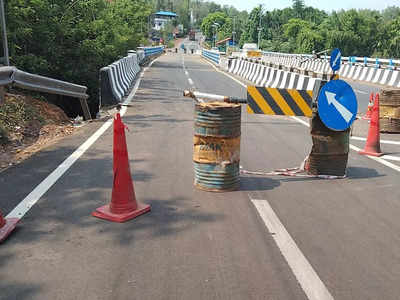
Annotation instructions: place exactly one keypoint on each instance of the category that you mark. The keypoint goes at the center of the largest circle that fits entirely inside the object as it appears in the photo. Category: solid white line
(309, 280)
(357, 138)
(378, 159)
(361, 92)
(390, 157)
(301, 121)
(190, 81)
(29, 201)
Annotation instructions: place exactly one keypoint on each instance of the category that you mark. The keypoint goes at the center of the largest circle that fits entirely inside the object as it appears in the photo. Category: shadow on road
(362, 173)
(14, 290)
(257, 183)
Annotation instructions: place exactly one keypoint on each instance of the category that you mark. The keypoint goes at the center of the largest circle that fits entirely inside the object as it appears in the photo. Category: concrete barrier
(117, 78)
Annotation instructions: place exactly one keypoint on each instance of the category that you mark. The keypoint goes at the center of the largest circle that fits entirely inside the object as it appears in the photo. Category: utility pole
(233, 32)
(259, 28)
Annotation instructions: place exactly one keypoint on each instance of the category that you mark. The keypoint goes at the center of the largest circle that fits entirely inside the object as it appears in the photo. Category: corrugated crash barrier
(216, 151)
(273, 101)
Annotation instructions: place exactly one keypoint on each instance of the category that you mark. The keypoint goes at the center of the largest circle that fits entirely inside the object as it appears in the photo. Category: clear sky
(327, 5)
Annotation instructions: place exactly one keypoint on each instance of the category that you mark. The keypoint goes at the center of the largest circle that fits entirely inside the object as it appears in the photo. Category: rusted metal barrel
(216, 151)
(330, 150)
(389, 110)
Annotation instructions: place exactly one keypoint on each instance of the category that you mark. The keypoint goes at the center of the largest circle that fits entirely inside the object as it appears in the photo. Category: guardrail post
(85, 109)
(391, 65)
(2, 95)
(377, 66)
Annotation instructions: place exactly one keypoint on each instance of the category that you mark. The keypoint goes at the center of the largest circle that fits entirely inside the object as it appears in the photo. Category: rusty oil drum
(216, 146)
(330, 149)
(389, 111)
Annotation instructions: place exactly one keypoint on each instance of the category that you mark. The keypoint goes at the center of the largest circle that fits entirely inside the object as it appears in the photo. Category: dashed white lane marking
(29, 201)
(377, 159)
(357, 138)
(186, 73)
(361, 92)
(311, 284)
(190, 81)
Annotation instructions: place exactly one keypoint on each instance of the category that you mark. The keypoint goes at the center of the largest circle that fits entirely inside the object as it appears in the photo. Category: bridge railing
(13, 76)
(212, 55)
(352, 60)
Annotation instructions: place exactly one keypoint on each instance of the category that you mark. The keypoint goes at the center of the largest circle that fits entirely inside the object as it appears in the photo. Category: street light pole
(233, 32)
(215, 26)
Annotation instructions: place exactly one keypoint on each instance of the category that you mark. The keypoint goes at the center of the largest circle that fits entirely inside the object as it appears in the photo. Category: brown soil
(28, 125)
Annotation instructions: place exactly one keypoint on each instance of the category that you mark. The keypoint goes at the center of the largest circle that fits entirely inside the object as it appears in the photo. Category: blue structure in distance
(336, 59)
(337, 105)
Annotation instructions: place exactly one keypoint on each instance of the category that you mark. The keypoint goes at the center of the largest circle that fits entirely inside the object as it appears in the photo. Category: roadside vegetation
(302, 29)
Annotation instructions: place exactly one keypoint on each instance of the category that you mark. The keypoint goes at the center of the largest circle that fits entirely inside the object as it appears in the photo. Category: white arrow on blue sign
(336, 59)
(337, 105)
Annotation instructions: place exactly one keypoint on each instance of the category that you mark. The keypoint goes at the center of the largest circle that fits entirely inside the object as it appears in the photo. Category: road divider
(117, 78)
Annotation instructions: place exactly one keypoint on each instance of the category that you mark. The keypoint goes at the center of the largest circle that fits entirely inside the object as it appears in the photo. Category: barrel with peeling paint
(330, 149)
(216, 151)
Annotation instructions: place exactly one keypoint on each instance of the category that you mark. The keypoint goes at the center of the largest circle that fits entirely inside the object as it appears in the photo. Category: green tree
(298, 7)
(208, 22)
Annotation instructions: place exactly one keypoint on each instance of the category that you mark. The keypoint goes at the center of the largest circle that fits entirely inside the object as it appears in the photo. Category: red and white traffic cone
(6, 226)
(123, 206)
(368, 114)
(373, 144)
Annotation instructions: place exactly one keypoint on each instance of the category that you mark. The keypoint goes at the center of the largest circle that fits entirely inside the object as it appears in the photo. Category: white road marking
(29, 201)
(187, 73)
(190, 81)
(361, 92)
(357, 138)
(301, 121)
(377, 159)
(308, 279)
(390, 157)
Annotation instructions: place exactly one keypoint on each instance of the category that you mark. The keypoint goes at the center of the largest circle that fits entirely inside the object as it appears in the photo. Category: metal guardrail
(13, 76)
(211, 55)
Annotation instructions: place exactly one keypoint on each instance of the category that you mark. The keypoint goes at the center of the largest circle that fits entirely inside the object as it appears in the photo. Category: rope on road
(292, 172)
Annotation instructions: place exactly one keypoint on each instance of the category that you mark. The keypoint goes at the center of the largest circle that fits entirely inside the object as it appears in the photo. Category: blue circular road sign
(337, 105)
(336, 59)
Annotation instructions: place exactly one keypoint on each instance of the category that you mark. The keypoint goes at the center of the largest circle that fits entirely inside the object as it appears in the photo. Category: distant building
(161, 18)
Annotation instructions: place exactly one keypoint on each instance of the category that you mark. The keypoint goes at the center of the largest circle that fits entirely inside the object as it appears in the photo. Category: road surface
(276, 238)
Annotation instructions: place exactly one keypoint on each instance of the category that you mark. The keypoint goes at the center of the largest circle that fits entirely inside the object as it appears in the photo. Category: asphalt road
(195, 244)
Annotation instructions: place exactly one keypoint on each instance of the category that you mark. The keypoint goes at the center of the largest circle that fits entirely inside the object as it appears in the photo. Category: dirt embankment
(27, 125)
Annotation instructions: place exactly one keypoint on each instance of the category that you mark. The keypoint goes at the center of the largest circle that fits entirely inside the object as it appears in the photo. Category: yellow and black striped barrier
(273, 101)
